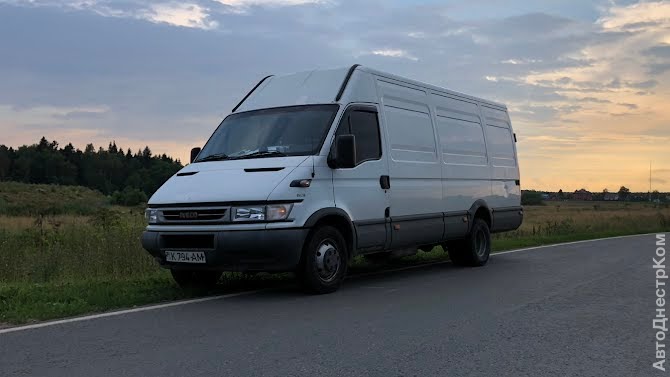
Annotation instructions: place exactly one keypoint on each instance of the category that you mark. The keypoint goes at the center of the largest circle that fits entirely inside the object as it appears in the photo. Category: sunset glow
(587, 85)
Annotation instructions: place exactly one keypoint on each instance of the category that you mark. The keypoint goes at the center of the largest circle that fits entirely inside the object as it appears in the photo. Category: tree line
(534, 197)
(128, 177)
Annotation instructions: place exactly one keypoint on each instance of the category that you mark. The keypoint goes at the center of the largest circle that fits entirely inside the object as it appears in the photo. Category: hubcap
(327, 260)
(481, 243)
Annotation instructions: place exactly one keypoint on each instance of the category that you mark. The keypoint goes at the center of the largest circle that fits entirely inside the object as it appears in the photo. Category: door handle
(385, 182)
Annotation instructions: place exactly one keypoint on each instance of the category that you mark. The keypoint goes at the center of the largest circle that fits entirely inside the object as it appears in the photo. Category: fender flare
(479, 203)
(333, 211)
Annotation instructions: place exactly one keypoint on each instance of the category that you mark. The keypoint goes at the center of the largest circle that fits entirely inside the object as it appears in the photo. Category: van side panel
(506, 191)
(358, 190)
(446, 152)
(416, 187)
(465, 170)
(504, 168)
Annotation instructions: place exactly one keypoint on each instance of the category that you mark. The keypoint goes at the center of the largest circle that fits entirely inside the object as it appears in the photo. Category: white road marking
(221, 297)
(126, 311)
(572, 243)
(496, 253)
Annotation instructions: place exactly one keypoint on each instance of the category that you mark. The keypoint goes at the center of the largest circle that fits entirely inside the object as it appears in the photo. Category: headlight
(249, 214)
(272, 212)
(151, 216)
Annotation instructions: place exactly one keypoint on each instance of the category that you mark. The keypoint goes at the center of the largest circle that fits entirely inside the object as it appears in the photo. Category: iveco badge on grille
(188, 215)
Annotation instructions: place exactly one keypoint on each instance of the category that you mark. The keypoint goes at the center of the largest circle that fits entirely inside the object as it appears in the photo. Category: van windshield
(283, 131)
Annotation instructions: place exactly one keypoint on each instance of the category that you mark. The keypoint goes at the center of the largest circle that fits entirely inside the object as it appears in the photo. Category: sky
(587, 83)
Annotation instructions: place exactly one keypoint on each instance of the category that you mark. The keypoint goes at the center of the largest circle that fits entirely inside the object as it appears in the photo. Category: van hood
(226, 181)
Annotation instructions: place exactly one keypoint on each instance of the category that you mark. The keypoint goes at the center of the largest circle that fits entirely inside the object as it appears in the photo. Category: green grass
(70, 264)
(18, 199)
(29, 302)
(64, 249)
(23, 302)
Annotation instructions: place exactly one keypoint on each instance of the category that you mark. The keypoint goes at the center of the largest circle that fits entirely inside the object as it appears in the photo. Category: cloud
(659, 56)
(175, 13)
(630, 106)
(194, 14)
(47, 114)
(521, 61)
(271, 3)
(393, 53)
(637, 16)
(543, 25)
(643, 85)
(595, 100)
(659, 69)
(538, 114)
(659, 51)
(180, 14)
(166, 70)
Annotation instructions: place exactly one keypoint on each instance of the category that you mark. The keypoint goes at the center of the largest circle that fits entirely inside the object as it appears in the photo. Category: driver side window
(364, 125)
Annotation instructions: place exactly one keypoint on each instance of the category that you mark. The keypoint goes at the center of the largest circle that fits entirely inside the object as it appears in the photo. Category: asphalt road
(581, 309)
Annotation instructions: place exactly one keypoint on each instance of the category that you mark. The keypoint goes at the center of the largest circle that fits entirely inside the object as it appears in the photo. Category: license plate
(185, 256)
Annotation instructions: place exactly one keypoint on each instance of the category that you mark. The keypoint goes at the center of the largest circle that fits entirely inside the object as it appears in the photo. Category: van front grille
(195, 215)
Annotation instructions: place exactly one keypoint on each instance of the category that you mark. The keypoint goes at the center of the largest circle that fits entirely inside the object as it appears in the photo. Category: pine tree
(108, 171)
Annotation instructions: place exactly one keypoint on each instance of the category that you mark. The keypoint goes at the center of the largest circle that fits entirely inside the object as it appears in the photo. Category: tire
(198, 280)
(324, 261)
(475, 249)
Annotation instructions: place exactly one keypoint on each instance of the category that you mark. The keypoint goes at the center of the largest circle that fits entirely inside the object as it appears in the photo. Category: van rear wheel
(475, 249)
(196, 279)
(324, 261)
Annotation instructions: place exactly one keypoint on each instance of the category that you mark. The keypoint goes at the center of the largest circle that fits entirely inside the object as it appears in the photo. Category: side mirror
(194, 153)
(345, 152)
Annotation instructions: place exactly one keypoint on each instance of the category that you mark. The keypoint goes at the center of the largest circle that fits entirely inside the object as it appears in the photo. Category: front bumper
(273, 250)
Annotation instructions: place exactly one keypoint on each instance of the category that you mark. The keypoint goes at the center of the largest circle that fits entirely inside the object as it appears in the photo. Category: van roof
(429, 86)
(309, 87)
(321, 86)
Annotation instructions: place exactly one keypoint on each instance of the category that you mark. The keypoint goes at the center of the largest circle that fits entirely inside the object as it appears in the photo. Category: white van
(314, 168)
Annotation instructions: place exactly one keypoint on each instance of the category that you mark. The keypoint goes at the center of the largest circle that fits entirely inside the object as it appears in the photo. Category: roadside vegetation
(127, 177)
(65, 250)
(21, 199)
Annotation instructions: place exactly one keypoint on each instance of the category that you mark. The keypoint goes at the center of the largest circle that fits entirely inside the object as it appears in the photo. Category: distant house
(582, 195)
(611, 196)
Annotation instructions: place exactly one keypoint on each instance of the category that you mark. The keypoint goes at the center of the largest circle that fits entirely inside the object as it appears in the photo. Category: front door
(359, 190)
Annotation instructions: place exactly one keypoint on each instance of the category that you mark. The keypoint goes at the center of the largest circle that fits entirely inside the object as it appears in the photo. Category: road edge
(231, 295)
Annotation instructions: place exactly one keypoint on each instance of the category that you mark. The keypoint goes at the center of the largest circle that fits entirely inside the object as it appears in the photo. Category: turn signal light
(301, 183)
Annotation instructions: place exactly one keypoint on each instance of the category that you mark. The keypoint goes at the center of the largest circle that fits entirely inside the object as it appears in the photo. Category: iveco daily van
(314, 168)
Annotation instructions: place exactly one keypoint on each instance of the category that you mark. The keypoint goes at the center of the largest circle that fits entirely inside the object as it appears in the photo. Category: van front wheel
(324, 261)
(475, 249)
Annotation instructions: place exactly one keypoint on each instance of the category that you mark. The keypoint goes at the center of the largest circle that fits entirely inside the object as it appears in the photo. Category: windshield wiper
(214, 157)
(260, 154)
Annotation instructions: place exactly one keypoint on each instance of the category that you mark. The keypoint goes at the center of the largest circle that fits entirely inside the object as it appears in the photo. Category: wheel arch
(480, 209)
(339, 219)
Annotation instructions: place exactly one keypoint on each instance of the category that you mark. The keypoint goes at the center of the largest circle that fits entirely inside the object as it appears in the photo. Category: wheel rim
(328, 260)
(481, 243)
